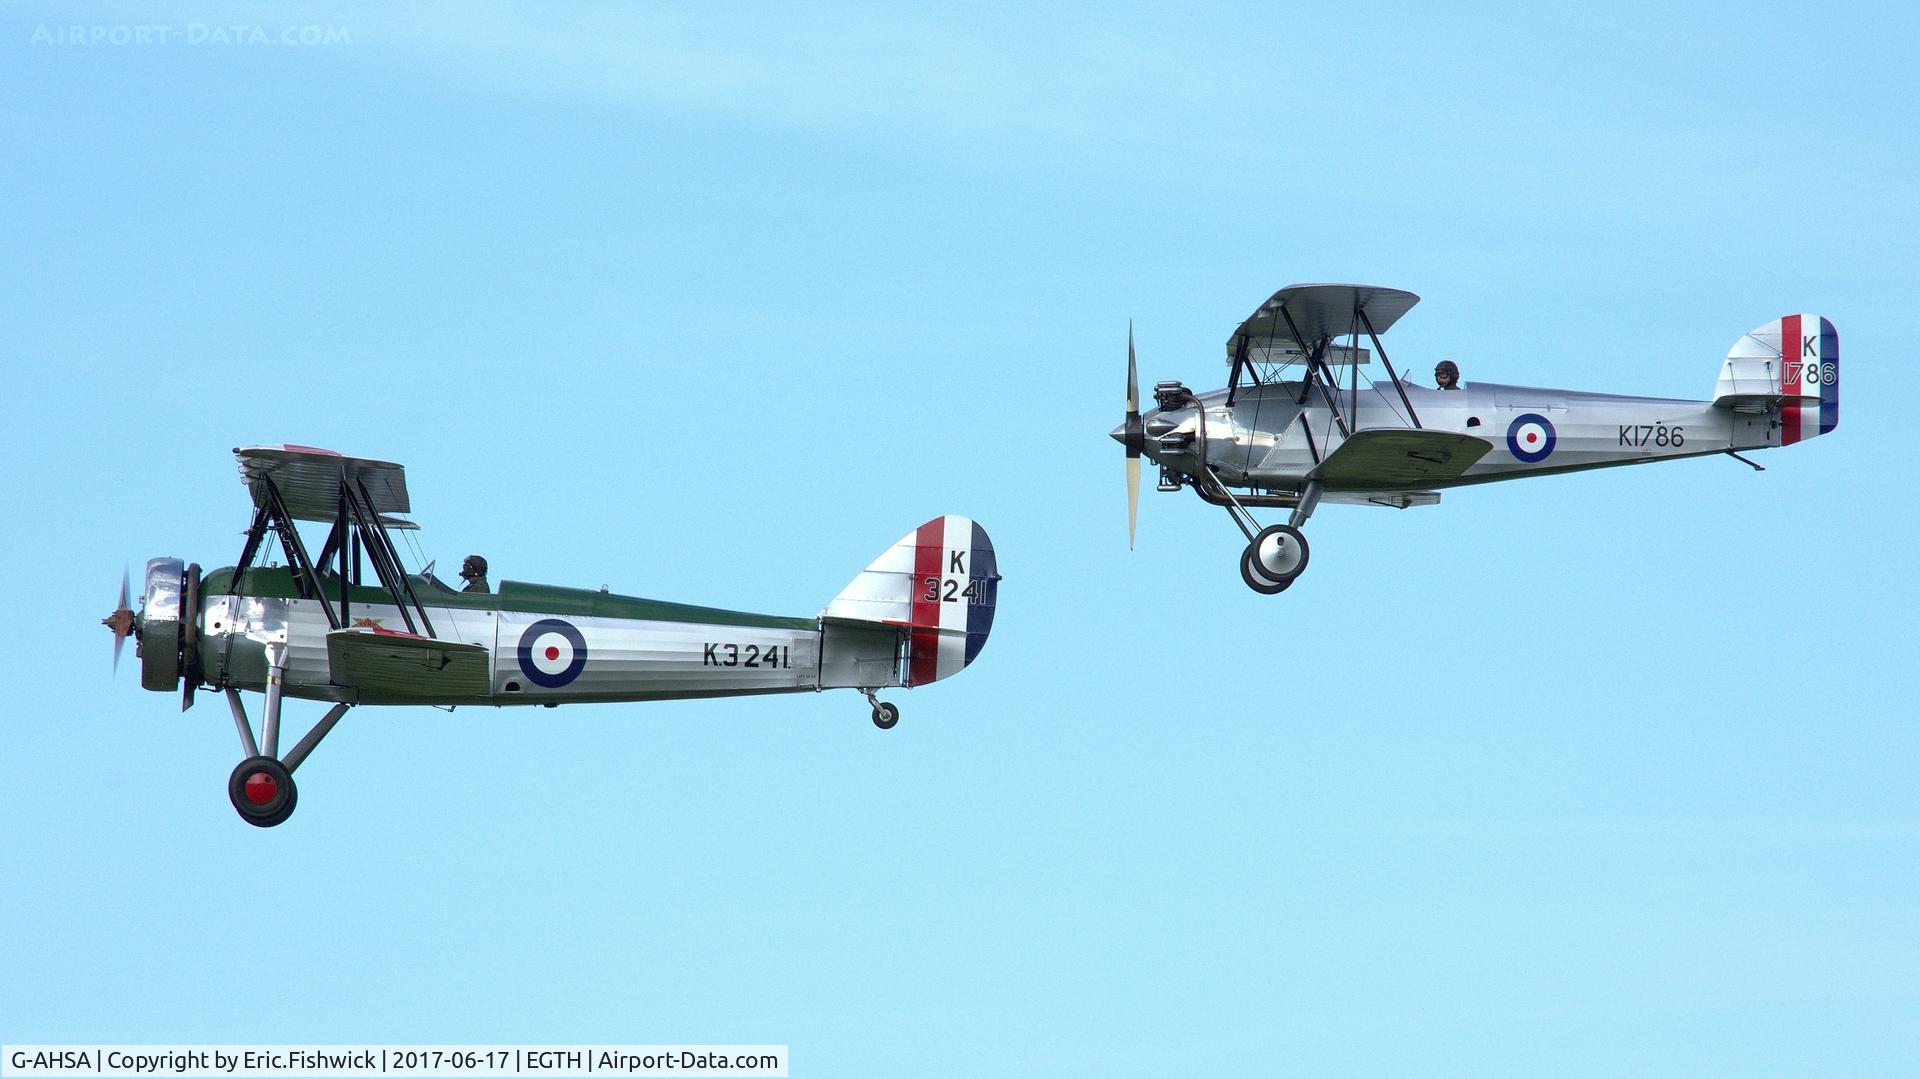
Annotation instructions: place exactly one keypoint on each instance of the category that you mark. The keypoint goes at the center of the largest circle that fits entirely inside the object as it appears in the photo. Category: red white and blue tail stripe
(1792, 362)
(939, 584)
(1809, 378)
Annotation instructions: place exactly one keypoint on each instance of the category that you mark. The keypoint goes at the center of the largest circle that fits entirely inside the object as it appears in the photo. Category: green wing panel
(1399, 459)
(386, 666)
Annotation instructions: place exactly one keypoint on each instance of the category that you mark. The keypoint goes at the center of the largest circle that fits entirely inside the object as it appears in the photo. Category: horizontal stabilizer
(387, 666)
(1396, 459)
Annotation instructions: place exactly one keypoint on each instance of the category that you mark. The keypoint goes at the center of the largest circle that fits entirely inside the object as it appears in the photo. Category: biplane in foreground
(350, 626)
(1295, 427)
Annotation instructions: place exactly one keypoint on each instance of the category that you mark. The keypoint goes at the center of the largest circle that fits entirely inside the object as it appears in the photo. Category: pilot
(1447, 375)
(474, 572)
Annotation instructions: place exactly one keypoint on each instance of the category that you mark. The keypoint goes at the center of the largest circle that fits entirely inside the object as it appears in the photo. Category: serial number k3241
(747, 655)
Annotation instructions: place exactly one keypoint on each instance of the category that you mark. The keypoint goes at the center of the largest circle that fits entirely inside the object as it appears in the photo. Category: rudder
(938, 585)
(1792, 364)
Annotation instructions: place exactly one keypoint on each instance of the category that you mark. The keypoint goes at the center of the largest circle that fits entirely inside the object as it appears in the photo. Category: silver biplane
(1296, 427)
(350, 626)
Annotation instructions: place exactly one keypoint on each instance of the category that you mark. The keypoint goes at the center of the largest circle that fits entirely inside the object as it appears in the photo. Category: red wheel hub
(260, 788)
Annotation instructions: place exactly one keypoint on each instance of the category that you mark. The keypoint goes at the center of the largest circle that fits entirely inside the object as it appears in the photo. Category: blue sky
(1610, 774)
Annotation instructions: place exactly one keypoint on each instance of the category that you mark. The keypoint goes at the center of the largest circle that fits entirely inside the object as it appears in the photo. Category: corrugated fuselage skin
(543, 646)
(1265, 439)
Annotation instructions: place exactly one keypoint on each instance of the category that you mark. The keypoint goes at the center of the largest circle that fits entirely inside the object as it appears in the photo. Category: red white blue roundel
(552, 653)
(1530, 437)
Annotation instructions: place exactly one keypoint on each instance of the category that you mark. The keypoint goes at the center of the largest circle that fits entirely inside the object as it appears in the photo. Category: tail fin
(937, 585)
(1792, 363)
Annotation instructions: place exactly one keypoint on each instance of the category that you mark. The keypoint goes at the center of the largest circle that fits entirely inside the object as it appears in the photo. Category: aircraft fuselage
(1269, 438)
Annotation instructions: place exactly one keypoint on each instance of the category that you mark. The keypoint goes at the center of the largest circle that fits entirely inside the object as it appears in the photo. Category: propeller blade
(1134, 438)
(1133, 497)
(1133, 382)
(186, 695)
(120, 621)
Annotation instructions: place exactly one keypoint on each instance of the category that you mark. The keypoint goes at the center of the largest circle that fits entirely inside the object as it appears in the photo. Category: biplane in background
(1295, 427)
(349, 625)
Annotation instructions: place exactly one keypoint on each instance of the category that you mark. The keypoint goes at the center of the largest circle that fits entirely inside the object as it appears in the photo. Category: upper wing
(309, 481)
(1398, 459)
(1320, 311)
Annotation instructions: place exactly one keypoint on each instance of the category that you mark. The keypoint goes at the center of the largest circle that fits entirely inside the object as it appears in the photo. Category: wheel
(885, 716)
(1279, 552)
(1257, 579)
(262, 791)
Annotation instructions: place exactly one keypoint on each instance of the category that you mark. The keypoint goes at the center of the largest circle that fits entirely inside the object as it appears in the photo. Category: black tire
(270, 798)
(885, 716)
(1256, 579)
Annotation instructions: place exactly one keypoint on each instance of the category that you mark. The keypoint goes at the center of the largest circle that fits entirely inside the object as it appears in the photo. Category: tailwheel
(262, 791)
(1277, 555)
(885, 715)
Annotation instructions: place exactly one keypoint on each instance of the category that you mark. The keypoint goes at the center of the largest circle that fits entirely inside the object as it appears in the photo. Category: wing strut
(1377, 347)
(336, 548)
(273, 512)
(357, 530)
(256, 533)
(1316, 362)
(1240, 365)
(386, 561)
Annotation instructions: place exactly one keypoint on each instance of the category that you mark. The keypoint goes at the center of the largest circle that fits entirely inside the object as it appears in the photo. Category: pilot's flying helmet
(474, 566)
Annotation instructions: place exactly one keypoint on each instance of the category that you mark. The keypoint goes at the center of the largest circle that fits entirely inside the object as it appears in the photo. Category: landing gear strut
(1276, 555)
(884, 715)
(261, 787)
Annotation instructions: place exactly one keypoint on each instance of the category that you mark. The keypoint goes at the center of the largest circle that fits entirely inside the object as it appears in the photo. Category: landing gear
(884, 715)
(261, 787)
(262, 791)
(1277, 555)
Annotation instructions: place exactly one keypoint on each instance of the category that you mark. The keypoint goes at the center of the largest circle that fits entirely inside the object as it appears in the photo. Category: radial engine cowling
(160, 624)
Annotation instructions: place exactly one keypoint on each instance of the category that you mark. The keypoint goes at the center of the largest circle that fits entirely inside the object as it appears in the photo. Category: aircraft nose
(1119, 434)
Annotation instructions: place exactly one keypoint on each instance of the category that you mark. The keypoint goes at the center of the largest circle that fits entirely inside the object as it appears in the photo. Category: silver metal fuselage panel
(552, 659)
(1265, 439)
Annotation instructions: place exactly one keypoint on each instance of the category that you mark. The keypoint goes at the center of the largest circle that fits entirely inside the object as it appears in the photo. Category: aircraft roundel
(552, 653)
(1530, 437)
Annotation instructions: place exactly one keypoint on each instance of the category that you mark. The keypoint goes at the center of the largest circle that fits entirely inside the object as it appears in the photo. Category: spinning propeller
(120, 621)
(1134, 439)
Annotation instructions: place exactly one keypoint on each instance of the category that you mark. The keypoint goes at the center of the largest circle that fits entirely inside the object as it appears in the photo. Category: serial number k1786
(1652, 434)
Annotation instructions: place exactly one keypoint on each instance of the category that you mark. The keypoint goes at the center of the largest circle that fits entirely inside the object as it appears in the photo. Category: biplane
(349, 625)
(1296, 426)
